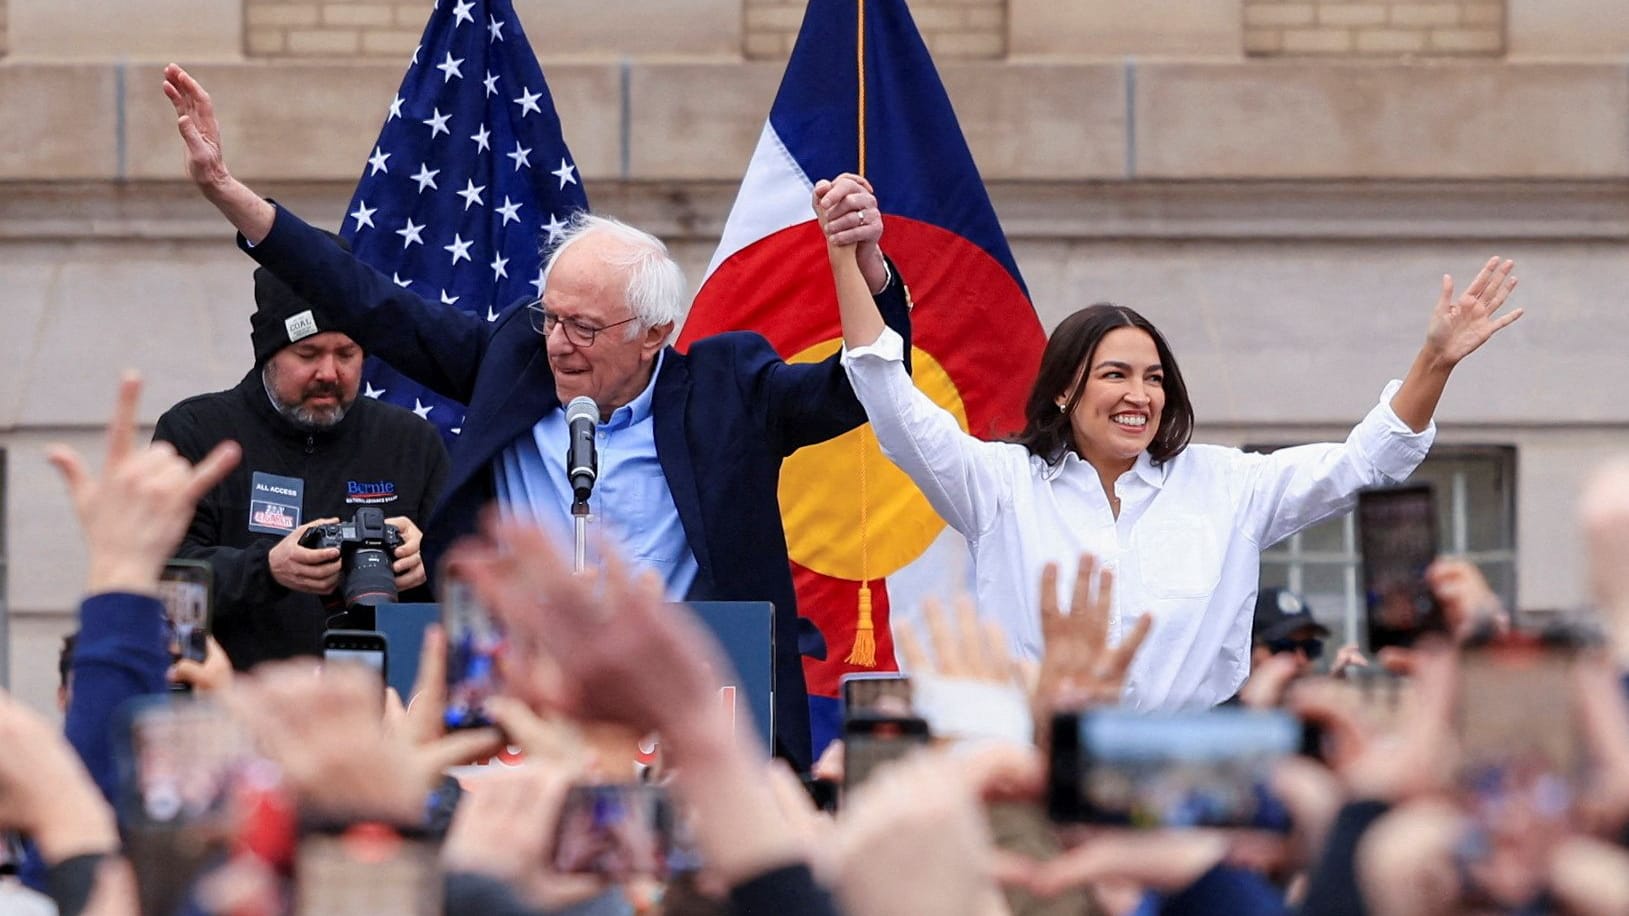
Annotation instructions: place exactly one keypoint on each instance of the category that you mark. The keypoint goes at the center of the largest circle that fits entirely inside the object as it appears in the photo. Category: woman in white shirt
(1103, 466)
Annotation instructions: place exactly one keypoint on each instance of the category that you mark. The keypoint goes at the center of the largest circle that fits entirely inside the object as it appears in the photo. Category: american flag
(469, 179)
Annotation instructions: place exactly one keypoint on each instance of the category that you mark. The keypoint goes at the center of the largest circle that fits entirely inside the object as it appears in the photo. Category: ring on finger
(862, 217)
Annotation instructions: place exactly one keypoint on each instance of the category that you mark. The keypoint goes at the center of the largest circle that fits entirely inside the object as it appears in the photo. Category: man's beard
(311, 419)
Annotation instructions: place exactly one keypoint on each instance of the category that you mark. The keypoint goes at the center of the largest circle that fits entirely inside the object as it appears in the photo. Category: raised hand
(195, 119)
(846, 208)
(1460, 325)
(206, 165)
(1078, 663)
(614, 651)
(134, 514)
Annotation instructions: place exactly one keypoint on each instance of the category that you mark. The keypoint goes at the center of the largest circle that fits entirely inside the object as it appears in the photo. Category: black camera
(367, 547)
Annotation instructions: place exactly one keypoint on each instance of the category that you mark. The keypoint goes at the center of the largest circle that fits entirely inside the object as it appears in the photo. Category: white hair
(655, 282)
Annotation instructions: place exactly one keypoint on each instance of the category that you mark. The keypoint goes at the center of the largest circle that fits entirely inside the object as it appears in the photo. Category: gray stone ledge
(1174, 210)
(1026, 121)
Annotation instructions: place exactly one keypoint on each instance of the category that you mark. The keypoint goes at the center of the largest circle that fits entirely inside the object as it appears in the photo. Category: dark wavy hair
(1068, 353)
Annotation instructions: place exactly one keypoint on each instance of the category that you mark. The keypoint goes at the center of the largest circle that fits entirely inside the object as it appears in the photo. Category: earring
(1061, 406)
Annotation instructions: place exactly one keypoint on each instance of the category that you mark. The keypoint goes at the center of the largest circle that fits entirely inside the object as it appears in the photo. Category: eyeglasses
(580, 335)
(1312, 647)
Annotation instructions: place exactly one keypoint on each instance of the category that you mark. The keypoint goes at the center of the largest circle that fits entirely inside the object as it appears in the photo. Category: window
(1476, 518)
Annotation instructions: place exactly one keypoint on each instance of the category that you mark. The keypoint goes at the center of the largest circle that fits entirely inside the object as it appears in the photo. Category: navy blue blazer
(726, 413)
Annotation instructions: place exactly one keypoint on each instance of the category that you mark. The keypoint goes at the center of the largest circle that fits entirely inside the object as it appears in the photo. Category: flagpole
(864, 653)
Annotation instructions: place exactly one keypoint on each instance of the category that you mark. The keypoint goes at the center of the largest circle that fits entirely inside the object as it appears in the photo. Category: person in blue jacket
(691, 444)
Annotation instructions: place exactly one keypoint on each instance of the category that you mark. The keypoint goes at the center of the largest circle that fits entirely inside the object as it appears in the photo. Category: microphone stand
(579, 519)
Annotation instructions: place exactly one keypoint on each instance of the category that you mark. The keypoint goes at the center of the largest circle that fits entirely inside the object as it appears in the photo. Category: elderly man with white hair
(691, 443)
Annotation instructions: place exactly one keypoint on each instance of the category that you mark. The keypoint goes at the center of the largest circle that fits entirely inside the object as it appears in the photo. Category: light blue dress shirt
(632, 508)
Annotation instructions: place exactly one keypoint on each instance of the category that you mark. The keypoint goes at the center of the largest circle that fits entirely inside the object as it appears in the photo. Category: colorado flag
(861, 94)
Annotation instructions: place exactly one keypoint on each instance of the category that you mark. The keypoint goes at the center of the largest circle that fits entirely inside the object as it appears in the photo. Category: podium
(744, 629)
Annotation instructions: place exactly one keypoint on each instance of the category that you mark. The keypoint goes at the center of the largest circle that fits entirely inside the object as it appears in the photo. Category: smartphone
(869, 741)
(1204, 768)
(882, 694)
(178, 760)
(1397, 533)
(367, 870)
(474, 642)
(363, 647)
(1517, 731)
(186, 589)
(615, 830)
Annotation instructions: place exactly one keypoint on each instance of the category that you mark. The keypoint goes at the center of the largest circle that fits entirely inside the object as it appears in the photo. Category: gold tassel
(865, 634)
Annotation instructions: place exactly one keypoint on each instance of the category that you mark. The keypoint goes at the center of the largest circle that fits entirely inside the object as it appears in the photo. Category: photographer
(314, 454)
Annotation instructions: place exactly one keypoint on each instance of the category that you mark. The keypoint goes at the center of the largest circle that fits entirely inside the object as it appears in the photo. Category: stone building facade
(1278, 183)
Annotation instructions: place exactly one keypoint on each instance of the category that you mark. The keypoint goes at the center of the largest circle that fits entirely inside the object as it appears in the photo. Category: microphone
(582, 459)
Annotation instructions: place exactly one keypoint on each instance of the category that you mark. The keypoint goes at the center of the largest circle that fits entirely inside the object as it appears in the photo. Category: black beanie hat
(281, 316)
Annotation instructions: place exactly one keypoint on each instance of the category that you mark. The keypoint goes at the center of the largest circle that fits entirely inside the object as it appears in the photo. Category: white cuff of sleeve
(960, 709)
(888, 346)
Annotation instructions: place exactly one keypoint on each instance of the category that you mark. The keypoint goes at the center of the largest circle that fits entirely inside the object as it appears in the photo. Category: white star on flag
(491, 314)
(522, 156)
(377, 161)
(410, 235)
(395, 109)
(537, 284)
(461, 13)
(482, 139)
(472, 194)
(437, 123)
(363, 215)
(396, 278)
(422, 409)
(426, 177)
(372, 392)
(528, 101)
(564, 173)
(448, 300)
(510, 211)
(494, 29)
(459, 248)
(491, 83)
(498, 267)
(554, 228)
(449, 68)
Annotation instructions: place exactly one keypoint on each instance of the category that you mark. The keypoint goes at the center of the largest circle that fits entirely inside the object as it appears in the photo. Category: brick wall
(953, 29)
(332, 28)
(1374, 28)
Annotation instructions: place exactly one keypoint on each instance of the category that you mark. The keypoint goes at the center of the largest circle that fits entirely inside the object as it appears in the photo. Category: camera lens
(369, 579)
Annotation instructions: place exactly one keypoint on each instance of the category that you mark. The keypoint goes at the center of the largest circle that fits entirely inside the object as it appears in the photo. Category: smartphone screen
(357, 647)
(1516, 726)
(474, 641)
(1397, 531)
(179, 761)
(186, 589)
(368, 870)
(876, 694)
(871, 741)
(1206, 768)
(616, 830)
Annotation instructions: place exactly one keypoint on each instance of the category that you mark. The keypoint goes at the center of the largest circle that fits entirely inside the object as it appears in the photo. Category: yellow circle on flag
(849, 512)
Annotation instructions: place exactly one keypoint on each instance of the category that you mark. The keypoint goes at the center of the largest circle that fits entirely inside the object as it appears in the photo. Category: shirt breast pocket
(1180, 556)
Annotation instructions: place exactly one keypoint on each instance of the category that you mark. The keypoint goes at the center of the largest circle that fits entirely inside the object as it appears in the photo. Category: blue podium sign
(746, 630)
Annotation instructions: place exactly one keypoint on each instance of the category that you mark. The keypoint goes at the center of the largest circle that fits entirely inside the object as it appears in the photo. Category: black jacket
(379, 455)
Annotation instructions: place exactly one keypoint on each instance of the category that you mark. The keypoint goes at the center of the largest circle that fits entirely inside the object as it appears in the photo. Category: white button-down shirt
(1186, 546)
